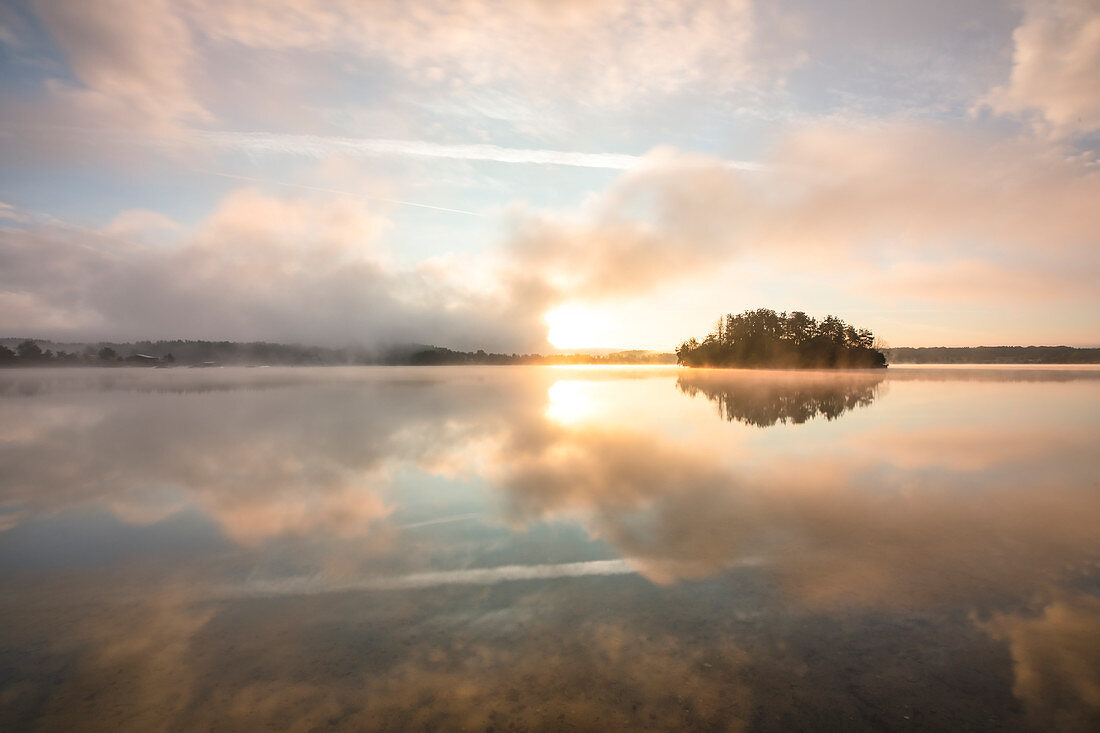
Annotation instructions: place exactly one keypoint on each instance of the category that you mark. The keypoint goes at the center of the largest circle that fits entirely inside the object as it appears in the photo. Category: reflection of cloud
(418, 661)
(308, 455)
(312, 585)
(1056, 656)
(890, 517)
(970, 449)
(863, 514)
(604, 676)
(890, 513)
(128, 665)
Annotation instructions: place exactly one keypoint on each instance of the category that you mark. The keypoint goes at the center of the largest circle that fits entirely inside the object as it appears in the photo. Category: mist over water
(546, 547)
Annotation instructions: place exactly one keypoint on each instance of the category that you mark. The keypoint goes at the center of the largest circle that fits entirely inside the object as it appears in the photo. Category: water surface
(539, 548)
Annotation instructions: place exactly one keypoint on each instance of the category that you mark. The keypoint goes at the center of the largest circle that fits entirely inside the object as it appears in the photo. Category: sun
(575, 327)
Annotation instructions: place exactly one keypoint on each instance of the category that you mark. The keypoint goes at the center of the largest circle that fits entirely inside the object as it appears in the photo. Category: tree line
(29, 353)
(207, 353)
(993, 355)
(764, 338)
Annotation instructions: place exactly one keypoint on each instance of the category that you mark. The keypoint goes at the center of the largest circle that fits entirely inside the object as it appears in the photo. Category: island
(762, 338)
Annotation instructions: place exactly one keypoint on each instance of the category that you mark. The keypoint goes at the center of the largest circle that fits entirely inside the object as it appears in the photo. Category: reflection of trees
(921, 520)
(765, 399)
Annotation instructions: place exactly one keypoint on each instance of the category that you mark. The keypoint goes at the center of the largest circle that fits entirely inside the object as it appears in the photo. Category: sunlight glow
(576, 327)
(570, 401)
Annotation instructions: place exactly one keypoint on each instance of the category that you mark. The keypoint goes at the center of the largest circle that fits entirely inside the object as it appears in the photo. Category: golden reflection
(970, 506)
(1056, 659)
(570, 401)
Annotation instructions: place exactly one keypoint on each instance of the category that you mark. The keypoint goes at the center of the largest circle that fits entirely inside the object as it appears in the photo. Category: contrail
(343, 193)
(317, 146)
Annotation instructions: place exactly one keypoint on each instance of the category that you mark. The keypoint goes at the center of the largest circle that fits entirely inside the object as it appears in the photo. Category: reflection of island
(766, 399)
(782, 569)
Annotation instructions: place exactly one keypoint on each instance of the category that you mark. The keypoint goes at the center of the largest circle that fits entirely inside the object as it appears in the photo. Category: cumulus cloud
(893, 207)
(663, 220)
(898, 211)
(1056, 66)
(258, 267)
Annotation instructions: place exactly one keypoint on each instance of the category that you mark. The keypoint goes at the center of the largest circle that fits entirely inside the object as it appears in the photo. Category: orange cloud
(1054, 656)
(1054, 70)
(134, 61)
(895, 210)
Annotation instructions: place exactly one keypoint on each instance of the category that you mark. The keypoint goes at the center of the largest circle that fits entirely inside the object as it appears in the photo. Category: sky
(537, 174)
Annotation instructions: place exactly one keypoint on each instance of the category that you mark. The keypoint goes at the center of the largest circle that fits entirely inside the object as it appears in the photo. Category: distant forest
(41, 353)
(993, 355)
(20, 352)
(764, 338)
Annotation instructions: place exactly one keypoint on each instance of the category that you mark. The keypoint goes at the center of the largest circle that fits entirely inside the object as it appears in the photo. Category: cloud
(1055, 62)
(1054, 656)
(611, 51)
(898, 213)
(923, 211)
(257, 267)
(13, 213)
(317, 146)
(663, 220)
(161, 66)
(133, 62)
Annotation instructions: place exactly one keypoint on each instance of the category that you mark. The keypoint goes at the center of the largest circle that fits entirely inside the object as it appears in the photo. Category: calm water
(547, 548)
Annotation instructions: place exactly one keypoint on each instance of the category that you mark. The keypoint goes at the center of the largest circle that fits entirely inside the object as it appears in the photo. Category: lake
(539, 548)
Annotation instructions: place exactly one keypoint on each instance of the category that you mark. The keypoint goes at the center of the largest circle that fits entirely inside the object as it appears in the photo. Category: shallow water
(543, 548)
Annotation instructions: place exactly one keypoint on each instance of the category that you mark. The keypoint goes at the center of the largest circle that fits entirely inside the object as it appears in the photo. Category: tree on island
(764, 338)
(29, 351)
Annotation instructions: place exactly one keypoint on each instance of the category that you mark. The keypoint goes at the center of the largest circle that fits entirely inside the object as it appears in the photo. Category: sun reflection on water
(570, 402)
